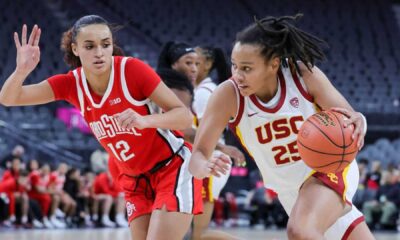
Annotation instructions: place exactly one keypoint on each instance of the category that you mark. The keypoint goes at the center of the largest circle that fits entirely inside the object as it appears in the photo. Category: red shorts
(171, 186)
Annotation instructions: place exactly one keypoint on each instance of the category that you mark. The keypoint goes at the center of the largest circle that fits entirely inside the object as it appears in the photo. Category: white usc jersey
(201, 95)
(269, 133)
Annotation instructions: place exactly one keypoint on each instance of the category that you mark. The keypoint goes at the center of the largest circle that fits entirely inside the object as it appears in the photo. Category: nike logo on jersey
(252, 114)
(88, 108)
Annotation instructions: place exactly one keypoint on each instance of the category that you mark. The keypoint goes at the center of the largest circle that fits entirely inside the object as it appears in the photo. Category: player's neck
(268, 90)
(98, 83)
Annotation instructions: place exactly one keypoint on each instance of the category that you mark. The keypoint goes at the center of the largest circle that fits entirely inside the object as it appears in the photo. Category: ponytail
(218, 60)
(221, 65)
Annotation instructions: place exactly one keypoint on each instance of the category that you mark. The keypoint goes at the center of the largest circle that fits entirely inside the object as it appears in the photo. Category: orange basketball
(324, 144)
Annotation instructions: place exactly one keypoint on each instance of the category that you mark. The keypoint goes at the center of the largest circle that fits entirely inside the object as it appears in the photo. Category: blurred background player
(210, 59)
(180, 57)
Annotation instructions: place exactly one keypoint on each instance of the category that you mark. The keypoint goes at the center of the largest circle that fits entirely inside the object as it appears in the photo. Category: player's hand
(235, 154)
(129, 119)
(28, 52)
(356, 119)
(219, 163)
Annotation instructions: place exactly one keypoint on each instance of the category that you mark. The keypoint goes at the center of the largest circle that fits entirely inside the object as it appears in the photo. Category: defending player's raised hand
(28, 52)
(129, 119)
(355, 118)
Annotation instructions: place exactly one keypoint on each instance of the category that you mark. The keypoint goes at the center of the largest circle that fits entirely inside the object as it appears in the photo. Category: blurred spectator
(363, 194)
(38, 192)
(87, 188)
(73, 186)
(265, 208)
(17, 152)
(106, 190)
(374, 177)
(60, 197)
(9, 186)
(386, 202)
(225, 210)
(363, 169)
(33, 165)
(99, 161)
(18, 192)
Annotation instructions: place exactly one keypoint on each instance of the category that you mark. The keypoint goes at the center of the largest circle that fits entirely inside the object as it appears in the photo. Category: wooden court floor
(123, 234)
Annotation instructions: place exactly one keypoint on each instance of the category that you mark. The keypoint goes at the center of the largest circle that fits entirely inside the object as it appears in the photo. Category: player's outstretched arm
(220, 109)
(28, 56)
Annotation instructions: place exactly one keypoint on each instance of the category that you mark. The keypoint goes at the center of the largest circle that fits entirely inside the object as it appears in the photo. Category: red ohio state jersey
(131, 83)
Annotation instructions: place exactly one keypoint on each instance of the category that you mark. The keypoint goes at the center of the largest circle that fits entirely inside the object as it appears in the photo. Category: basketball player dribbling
(274, 88)
(113, 93)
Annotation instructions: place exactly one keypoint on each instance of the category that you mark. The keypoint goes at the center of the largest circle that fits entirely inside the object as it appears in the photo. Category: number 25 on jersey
(280, 129)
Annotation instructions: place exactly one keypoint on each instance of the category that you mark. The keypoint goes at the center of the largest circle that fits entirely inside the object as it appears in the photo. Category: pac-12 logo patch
(130, 208)
(294, 102)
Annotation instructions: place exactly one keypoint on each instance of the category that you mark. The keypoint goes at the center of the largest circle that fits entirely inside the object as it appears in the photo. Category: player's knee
(298, 231)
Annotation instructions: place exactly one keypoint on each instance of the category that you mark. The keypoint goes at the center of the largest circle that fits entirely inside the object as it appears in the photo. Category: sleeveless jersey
(269, 133)
(135, 150)
(202, 94)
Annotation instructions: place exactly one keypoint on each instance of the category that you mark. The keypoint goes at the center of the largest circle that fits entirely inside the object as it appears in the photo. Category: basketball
(325, 144)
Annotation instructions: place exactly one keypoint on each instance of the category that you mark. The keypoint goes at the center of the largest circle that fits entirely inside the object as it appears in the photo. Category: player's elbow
(7, 99)
(5, 102)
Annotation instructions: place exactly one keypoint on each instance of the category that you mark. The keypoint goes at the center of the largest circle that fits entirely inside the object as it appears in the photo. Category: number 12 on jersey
(121, 150)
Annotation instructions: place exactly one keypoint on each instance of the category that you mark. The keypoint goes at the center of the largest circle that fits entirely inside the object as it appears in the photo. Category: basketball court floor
(123, 234)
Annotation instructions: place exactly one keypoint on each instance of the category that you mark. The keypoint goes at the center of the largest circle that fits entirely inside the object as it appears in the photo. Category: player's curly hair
(219, 62)
(69, 37)
(278, 37)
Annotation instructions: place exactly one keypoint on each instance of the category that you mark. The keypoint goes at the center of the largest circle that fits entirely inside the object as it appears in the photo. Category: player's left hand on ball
(219, 163)
(129, 119)
(356, 119)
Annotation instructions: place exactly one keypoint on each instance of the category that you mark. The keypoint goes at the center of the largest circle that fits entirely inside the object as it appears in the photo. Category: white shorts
(345, 224)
